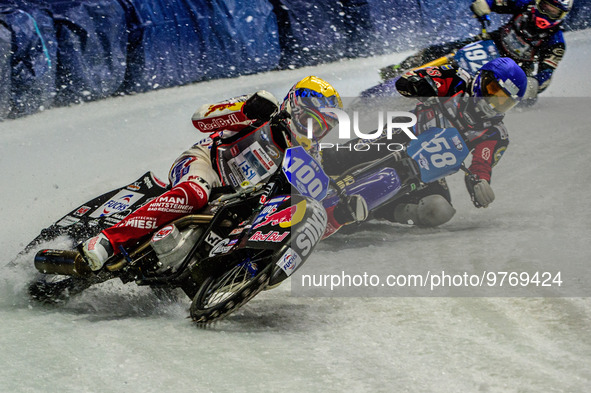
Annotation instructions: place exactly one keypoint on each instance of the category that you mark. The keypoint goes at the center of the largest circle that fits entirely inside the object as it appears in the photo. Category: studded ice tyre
(219, 296)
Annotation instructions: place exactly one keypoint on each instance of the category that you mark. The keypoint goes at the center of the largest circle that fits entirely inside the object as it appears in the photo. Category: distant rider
(475, 107)
(533, 38)
(196, 172)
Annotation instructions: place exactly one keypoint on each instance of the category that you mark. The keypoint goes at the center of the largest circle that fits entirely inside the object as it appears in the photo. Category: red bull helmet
(550, 13)
(304, 101)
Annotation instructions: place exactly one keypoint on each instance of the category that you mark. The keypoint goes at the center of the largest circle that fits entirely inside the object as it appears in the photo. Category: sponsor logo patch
(289, 261)
(272, 236)
(312, 231)
(222, 247)
(123, 200)
(162, 233)
(82, 211)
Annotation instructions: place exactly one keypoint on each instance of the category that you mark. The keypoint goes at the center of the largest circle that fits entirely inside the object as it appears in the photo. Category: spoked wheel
(219, 296)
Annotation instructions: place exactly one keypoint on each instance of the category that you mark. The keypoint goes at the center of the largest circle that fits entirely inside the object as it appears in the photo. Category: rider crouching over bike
(533, 37)
(196, 172)
(450, 98)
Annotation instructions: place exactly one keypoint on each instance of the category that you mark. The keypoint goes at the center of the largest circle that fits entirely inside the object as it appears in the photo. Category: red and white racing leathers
(192, 176)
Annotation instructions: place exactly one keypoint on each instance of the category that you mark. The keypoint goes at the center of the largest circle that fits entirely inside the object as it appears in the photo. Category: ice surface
(117, 338)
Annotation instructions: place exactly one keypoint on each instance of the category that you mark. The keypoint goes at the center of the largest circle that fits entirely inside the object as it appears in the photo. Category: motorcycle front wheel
(219, 296)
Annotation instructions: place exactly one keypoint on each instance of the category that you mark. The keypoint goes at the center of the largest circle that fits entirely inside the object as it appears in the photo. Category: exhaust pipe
(64, 262)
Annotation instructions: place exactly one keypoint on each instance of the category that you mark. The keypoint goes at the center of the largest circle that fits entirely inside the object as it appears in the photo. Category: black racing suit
(518, 39)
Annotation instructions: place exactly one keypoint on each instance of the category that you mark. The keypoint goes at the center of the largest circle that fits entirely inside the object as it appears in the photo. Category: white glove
(483, 193)
(480, 191)
(480, 8)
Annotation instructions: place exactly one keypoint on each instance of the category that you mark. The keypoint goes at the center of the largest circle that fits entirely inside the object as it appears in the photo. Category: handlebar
(484, 22)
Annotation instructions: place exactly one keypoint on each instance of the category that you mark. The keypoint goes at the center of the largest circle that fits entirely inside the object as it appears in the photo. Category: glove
(481, 9)
(480, 191)
(260, 106)
(423, 87)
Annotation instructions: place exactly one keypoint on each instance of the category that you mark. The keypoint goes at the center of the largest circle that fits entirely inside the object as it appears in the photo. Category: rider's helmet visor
(550, 10)
(495, 95)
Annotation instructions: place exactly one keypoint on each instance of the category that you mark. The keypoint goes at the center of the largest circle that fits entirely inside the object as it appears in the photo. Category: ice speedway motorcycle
(470, 58)
(245, 241)
(250, 237)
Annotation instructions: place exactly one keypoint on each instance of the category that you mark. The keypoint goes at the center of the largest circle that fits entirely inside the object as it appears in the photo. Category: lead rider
(197, 171)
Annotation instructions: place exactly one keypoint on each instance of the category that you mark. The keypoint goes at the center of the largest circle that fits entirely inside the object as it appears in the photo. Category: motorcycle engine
(171, 246)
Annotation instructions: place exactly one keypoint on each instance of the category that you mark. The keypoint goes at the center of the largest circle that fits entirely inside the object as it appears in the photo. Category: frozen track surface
(117, 338)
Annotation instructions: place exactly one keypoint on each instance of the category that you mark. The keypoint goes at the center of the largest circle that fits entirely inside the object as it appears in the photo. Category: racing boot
(96, 251)
(355, 210)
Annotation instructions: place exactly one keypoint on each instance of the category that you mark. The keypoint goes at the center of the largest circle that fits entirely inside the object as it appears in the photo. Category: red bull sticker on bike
(285, 218)
(289, 261)
(272, 236)
(123, 200)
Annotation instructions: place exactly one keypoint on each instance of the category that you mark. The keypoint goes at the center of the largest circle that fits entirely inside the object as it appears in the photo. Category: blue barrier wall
(56, 52)
(92, 41)
(6, 85)
(33, 54)
(580, 16)
(315, 32)
(174, 43)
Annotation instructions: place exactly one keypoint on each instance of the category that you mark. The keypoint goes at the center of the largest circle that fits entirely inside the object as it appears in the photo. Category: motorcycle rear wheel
(52, 289)
(219, 296)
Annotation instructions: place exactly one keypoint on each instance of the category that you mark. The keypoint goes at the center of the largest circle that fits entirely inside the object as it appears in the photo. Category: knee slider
(434, 210)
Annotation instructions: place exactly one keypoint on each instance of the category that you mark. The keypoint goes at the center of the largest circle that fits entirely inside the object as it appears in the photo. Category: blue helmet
(502, 82)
